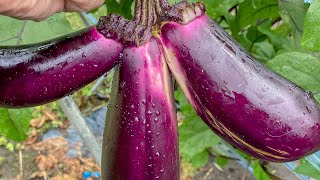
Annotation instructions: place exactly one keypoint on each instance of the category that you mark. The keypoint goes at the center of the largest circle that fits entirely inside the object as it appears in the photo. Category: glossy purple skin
(38, 75)
(249, 106)
(141, 137)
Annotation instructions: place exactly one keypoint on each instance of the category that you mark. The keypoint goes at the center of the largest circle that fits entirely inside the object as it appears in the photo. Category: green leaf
(14, 123)
(194, 135)
(32, 32)
(263, 51)
(301, 68)
(279, 41)
(216, 8)
(250, 37)
(250, 11)
(307, 169)
(126, 8)
(293, 12)
(259, 172)
(113, 7)
(311, 30)
(221, 161)
(123, 7)
(200, 159)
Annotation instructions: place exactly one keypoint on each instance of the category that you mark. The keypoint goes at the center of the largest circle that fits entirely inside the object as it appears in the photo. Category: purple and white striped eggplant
(43, 73)
(249, 106)
(141, 138)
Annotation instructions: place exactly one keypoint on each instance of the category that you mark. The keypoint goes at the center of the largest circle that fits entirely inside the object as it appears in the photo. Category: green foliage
(15, 32)
(293, 13)
(307, 169)
(217, 8)
(301, 68)
(258, 171)
(251, 11)
(122, 7)
(221, 161)
(14, 123)
(310, 40)
(194, 136)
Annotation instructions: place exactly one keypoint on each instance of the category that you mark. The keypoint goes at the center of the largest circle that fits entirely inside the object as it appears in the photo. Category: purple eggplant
(43, 73)
(248, 105)
(141, 138)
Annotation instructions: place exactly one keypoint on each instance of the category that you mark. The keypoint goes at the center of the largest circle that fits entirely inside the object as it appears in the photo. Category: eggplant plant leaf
(15, 32)
(300, 68)
(250, 37)
(126, 8)
(113, 7)
(307, 169)
(311, 27)
(293, 12)
(251, 11)
(258, 171)
(215, 8)
(14, 123)
(200, 159)
(221, 161)
(194, 135)
(263, 51)
(122, 7)
(277, 40)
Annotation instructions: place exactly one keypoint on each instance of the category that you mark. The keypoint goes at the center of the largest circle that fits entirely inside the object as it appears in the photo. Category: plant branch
(73, 113)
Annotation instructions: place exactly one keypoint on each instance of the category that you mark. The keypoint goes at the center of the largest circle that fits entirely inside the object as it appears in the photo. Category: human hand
(38, 10)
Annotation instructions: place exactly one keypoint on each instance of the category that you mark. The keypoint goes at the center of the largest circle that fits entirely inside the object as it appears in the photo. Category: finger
(30, 9)
(82, 5)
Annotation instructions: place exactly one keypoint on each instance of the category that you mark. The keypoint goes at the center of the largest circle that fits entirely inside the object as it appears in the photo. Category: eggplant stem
(139, 30)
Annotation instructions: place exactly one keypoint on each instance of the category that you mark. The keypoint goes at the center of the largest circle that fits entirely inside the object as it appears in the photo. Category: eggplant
(31, 76)
(249, 106)
(141, 137)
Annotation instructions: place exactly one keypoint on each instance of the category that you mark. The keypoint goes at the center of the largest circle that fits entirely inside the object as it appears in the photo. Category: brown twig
(21, 164)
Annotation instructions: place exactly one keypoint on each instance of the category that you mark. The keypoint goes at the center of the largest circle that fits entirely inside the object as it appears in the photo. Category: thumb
(41, 9)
